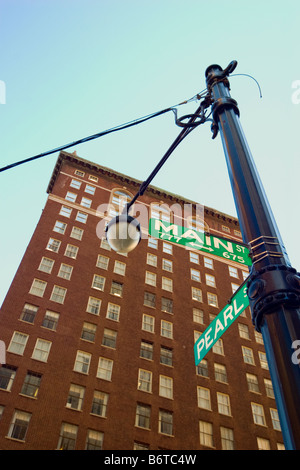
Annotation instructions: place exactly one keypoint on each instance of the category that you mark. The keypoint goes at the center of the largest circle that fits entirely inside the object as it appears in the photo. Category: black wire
(100, 134)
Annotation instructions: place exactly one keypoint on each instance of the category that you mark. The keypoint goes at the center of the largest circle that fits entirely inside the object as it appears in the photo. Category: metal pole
(274, 286)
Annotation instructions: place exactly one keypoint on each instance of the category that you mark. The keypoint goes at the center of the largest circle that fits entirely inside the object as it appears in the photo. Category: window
(165, 422)
(223, 404)
(212, 299)
(150, 278)
(194, 257)
(98, 282)
(151, 259)
(113, 312)
(208, 263)
(210, 280)
(31, 384)
(60, 227)
(142, 416)
(218, 347)
(119, 198)
(152, 243)
(167, 265)
(166, 356)
(227, 439)
(167, 284)
(50, 320)
(104, 244)
(81, 217)
(89, 188)
(198, 316)
(38, 288)
(41, 350)
(167, 248)
(94, 440)
(71, 196)
(146, 350)
(225, 229)
(67, 438)
(29, 313)
(252, 382)
(85, 202)
(165, 386)
(99, 404)
(46, 265)
(203, 397)
(275, 419)
(120, 268)
(102, 262)
(166, 329)
(263, 360)
(258, 337)
(196, 294)
(243, 331)
(258, 414)
(82, 362)
(149, 299)
(71, 251)
(75, 397)
(105, 367)
(145, 380)
(65, 211)
(148, 323)
(75, 184)
(220, 373)
(79, 173)
(88, 331)
(234, 287)
(18, 343)
(263, 444)
(7, 375)
(248, 355)
(269, 388)
(233, 272)
(58, 294)
(116, 288)
(109, 338)
(65, 271)
(195, 275)
(93, 306)
(76, 233)
(19, 425)
(160, 211)
(53, 245)
(166, 305)
(202, 368)
(206, 434)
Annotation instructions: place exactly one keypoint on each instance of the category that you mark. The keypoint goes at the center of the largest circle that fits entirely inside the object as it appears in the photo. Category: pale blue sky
(76, 67)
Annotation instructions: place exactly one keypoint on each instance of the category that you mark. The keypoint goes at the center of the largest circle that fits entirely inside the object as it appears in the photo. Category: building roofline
(73, 157)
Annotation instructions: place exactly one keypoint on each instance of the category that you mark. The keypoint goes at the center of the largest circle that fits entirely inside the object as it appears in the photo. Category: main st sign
(196, 240)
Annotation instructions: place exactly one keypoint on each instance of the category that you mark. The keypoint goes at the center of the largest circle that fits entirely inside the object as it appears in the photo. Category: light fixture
(123, 233)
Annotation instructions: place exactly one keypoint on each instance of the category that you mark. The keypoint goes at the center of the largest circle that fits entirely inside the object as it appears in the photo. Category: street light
(123, 233)
(273, 286)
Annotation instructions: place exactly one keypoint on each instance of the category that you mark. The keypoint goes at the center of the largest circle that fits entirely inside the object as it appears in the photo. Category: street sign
(238, 303)
(194, 239)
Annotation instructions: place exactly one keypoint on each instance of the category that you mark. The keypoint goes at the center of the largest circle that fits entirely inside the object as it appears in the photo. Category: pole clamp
(270, 287)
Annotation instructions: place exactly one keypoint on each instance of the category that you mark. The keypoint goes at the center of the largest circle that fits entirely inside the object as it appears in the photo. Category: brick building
(100, 344)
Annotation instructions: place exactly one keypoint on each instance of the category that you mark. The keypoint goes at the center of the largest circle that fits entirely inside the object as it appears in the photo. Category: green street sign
(220, 324)
(194, 239)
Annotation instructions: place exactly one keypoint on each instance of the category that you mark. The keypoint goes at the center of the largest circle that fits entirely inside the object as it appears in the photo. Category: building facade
(99, 345)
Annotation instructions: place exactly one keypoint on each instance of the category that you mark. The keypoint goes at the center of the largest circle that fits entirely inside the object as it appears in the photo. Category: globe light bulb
(123, 233)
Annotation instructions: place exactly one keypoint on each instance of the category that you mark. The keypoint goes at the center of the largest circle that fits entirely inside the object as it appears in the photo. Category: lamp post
(273, 286)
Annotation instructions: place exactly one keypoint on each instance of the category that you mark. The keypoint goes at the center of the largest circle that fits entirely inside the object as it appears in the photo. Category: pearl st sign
(193, 239)
(238, 303)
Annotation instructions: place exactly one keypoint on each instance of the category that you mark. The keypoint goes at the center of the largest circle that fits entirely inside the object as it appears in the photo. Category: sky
(72, 68)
